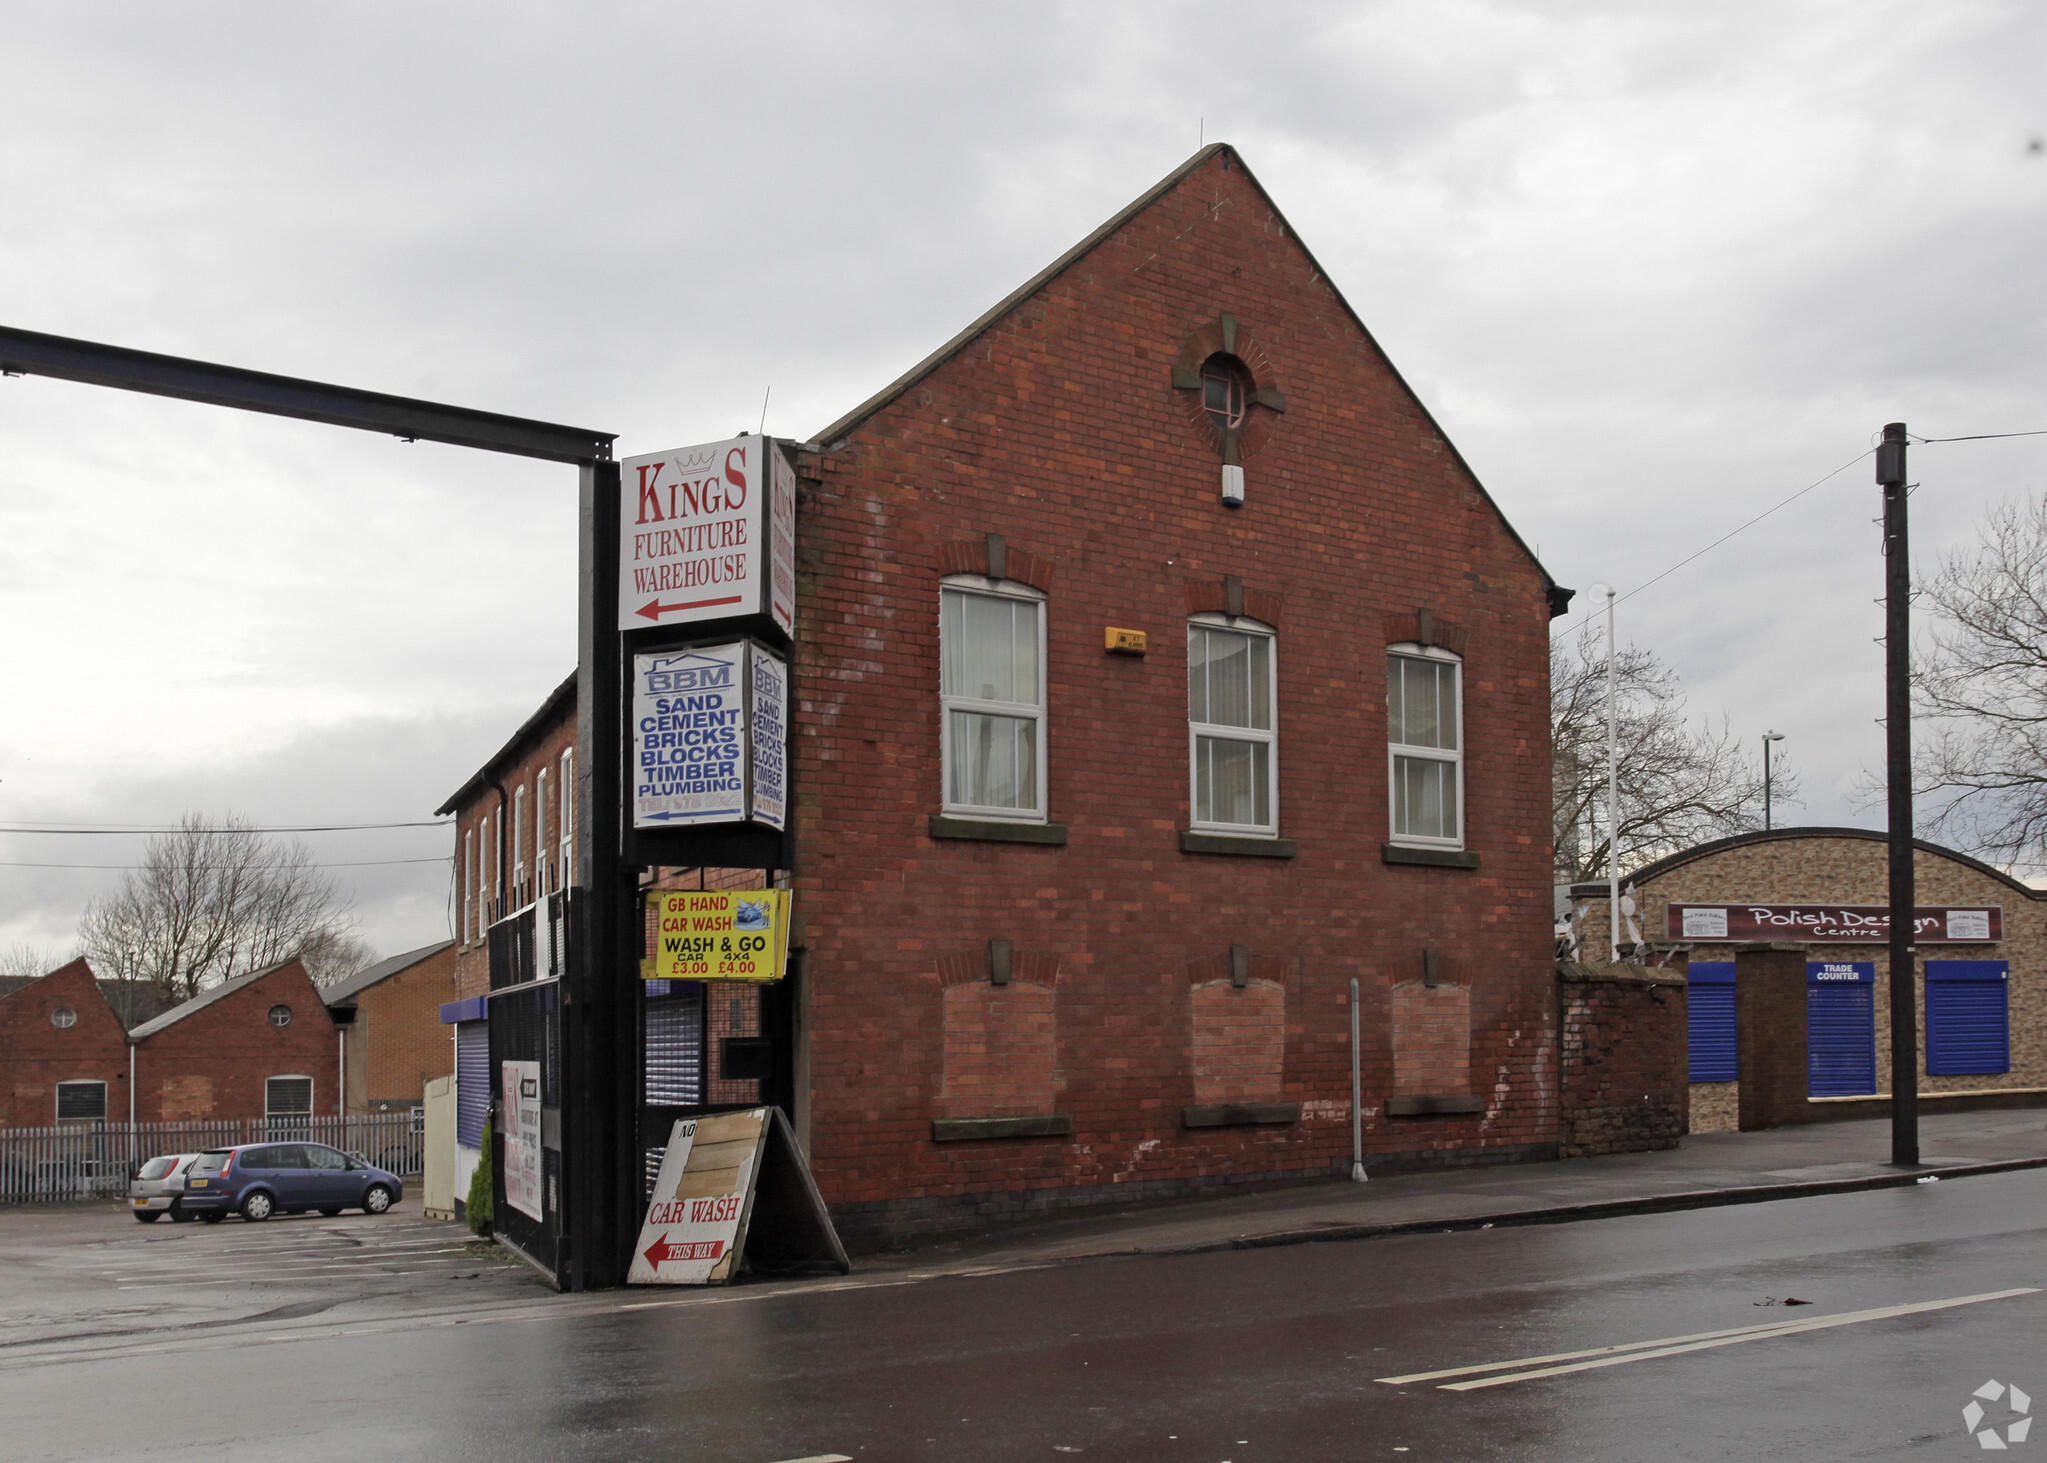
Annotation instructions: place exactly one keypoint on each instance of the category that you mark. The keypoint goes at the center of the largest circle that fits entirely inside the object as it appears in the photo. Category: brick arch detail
(1227, 336)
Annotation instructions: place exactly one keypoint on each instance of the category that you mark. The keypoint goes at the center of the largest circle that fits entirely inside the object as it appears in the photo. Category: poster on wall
(717, 934)
(709, 731)
(707, 533)
(519, 1102)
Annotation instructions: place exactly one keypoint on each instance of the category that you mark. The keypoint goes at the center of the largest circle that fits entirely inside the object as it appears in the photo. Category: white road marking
(1605, 1356)
(822, 1458)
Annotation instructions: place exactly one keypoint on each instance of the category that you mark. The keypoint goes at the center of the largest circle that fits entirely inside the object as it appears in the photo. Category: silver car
(155, 1191)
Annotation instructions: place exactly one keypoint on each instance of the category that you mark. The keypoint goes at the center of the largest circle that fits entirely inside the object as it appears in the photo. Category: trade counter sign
(718, 934)
(707, 533)
(710, 730)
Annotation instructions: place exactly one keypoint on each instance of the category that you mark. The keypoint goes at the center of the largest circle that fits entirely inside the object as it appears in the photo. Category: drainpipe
(131, 1086)
(341, 1087)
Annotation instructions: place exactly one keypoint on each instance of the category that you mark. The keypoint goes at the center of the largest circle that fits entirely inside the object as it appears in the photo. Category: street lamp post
(1768, 737)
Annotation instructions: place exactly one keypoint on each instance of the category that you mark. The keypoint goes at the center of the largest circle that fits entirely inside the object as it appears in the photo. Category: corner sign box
(718, 934)
(710, 731)
(1868, 924)
(707, 533)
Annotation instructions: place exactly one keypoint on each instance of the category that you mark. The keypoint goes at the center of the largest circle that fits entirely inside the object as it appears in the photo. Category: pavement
(1709, 1170)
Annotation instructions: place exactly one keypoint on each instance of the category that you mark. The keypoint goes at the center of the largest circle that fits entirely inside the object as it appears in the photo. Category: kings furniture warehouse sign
(707, 533)
(718, 934)
(1862, 923)
(710, 729)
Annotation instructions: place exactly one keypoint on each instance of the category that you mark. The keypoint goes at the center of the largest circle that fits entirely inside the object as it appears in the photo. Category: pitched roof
(835, 435)
(126, 998)
(204, 999)
(344, 992)
(561, 696)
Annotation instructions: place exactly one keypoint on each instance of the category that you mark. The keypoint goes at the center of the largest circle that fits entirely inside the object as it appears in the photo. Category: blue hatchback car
(257, 1180)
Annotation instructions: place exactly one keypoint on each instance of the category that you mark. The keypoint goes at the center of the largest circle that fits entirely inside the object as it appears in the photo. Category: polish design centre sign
(707, 533)
(709, 727)
(1834, 923)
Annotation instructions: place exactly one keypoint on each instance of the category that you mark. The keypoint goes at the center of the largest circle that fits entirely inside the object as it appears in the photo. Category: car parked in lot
(257, 1180)
(158, 1187)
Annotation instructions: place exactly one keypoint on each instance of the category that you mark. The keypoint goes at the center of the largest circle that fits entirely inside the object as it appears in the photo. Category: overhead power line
(134, 828)
(359, 864)
(1981, 437)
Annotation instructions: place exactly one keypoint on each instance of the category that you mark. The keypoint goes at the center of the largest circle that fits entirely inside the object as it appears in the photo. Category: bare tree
(34, 957)
(210, 902)
(332, 956)
(1982, 690)
(1678, 785)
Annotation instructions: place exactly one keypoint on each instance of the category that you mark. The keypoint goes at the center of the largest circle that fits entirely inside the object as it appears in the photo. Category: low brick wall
(1622, 1062)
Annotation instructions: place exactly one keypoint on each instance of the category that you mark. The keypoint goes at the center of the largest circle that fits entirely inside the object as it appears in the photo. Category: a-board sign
(707, 533)
(717, 934)
(519, 1099)
(734, 1188)
(710, 733)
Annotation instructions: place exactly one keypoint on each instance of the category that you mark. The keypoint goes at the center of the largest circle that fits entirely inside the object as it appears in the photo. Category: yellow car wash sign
(718, 934)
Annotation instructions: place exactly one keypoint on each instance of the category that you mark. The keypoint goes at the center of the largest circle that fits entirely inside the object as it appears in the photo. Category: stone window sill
(1434, 1105)
(995, 830)
(1237, 844)
(1044, 1125)
(1239, 1114)
(1434, 858)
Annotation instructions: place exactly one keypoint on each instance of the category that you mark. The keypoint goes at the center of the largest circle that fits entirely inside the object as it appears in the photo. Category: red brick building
(394, 1040)
(1080, 907)
(260, 1045)
(63, 1054)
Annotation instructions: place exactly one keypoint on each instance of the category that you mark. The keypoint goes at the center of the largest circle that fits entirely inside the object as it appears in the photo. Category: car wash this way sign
(707, 533)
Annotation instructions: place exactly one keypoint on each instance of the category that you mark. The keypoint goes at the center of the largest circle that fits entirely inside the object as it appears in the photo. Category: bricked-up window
(81, 1102)
(1425, 747)
(1225, 390)
(1232, 742)
(992, 685)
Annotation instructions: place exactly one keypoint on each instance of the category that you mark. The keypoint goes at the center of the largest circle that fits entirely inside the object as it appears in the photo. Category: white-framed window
(1232, 725)
(566, 822)
(992, 694)
(540, 881)
(1425, 746)
(465, 895)
(518, 838)
(81, 1102)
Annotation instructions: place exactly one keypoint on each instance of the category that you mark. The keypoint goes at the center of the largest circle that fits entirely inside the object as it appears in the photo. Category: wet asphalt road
(1236, 1357)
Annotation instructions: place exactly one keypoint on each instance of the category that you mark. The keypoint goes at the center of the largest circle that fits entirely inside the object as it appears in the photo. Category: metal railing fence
(96, 1160)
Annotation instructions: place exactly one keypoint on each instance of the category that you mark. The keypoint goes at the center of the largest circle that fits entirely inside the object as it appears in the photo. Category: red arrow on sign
(653, 609)
(664, 1249)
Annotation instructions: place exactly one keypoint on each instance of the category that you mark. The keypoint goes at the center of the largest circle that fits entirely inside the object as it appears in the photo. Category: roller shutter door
(675, 1043)
(472, 1082)
(1709, 1002)
(1968, 1019)
(1840, 1025)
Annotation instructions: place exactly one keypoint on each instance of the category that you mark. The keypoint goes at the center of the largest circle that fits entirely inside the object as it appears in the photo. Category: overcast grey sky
(1654, 267)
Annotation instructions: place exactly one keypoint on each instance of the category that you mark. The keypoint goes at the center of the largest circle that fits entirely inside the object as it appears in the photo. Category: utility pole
(1768, 737)
(1613, 797)
(1890, 476)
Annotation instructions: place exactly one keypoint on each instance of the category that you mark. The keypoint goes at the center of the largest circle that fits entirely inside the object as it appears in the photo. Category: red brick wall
(1431, 1039)
(214, 1062)
(35, 1055)
(1059, 428)
(398, 1029)
(1239, 1041)
(481, 893)
(1000, 1052)
(1623, 1080)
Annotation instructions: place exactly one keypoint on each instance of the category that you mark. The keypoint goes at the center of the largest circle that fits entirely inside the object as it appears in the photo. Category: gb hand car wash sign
(707, 533)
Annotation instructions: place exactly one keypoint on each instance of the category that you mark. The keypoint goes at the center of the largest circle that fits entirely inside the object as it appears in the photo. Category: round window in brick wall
(280, 1015)
(62, 1017)
(1225, 391)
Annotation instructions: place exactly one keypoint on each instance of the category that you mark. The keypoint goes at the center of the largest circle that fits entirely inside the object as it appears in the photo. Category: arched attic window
(1225, 391)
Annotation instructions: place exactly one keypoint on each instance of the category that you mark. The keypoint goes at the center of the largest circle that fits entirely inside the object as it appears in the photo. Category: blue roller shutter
(472, 1082)
(1710, 1004)
(1840, 1028)
(1968, 1019)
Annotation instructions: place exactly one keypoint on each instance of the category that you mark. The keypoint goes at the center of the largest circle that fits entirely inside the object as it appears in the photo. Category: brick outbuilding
(1160, 668)
(63, 1054)
(251, 1047)
(394, 1038)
